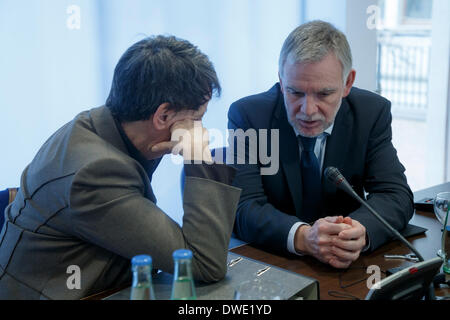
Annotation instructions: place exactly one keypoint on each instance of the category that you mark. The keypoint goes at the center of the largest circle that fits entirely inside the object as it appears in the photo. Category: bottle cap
(182, 254)
(141, 260)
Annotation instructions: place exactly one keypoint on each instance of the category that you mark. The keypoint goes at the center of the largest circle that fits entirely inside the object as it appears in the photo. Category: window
(417, 10)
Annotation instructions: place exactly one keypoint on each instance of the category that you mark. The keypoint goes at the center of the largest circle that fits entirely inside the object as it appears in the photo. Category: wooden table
(353, 280)
(343, 281)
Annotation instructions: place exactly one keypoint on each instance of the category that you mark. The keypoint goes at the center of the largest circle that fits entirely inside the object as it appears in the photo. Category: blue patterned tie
(310, 180)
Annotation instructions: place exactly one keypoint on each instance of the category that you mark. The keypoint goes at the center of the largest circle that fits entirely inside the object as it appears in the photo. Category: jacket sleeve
(110, 211)
(385, 183)
(257, 221)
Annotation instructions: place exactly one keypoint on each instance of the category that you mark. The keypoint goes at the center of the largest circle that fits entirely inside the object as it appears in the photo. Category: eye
(325, 94)
(296, 93)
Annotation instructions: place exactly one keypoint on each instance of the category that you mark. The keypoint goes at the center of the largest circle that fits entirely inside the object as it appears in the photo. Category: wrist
(300, 243)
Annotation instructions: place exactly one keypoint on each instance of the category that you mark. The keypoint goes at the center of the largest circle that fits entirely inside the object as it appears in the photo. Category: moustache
(310, 119)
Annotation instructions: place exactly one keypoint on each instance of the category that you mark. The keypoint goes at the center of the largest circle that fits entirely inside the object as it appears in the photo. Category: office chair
(6, 197)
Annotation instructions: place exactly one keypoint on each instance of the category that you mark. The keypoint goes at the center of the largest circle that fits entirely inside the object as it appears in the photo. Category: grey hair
(314, 40)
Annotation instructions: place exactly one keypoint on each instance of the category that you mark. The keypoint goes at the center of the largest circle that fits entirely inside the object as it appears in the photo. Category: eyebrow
(327, 90)
(293, 89)
(323, 90)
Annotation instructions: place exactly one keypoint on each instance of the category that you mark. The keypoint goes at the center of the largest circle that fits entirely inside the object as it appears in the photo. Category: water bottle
(142, 288)
(183, 287)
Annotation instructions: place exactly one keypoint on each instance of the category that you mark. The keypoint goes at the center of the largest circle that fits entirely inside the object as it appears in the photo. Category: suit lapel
(338, 143)
(289, 154)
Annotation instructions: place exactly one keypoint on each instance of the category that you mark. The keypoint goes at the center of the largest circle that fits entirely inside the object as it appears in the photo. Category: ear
(281, 82)
(349, 83)
(162, 118)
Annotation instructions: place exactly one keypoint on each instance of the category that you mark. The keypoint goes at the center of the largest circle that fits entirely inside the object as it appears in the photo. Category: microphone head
(333, 175)
(337, 178)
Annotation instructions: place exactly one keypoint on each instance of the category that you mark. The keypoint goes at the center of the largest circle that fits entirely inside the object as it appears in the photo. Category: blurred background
(57, 58)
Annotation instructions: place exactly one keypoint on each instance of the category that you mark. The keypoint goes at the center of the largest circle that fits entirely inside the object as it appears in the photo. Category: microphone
(335, 177)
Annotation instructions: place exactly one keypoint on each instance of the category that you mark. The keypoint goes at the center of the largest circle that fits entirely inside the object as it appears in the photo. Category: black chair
(6, 197)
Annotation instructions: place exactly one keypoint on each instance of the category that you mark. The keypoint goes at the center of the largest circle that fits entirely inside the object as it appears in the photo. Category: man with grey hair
(322, 121)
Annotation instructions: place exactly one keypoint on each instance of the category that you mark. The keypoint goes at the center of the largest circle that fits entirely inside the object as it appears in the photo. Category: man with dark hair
(86, 202)
(322, 121)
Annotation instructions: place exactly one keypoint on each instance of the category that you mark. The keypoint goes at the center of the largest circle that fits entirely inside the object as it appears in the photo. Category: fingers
(328, 256)
(164, 147)
(357, 231)
(340, 264)
(350, 245)
(339, 219)
(328, 226)
(338, 240)
(186, 124)
(345, 255)
(348, 220)
(193, 140)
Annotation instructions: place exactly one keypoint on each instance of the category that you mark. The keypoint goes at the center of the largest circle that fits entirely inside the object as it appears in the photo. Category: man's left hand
(349, 243)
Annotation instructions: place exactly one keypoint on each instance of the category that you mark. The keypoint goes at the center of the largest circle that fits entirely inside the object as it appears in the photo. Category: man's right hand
(318, 240)
(189, 139)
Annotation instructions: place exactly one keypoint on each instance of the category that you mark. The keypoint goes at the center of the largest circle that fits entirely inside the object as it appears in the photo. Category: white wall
(350, 17)
(50, 73)
(363, 41)
(333, 11)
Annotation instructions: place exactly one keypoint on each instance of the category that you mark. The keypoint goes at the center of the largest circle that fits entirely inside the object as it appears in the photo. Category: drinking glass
(441, 209)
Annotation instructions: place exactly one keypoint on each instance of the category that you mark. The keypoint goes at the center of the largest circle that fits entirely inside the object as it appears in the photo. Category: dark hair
(160, 70)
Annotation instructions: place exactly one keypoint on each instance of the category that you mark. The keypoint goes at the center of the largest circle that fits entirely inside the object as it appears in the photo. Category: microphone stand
(389, 227)
(339, 180)
(336, 177)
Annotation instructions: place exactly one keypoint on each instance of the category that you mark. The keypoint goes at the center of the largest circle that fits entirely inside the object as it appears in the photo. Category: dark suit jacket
(83, 201)
(360, 147)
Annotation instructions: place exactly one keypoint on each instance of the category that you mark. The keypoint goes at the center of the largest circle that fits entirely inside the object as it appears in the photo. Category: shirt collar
(327, 132)
(149, 165)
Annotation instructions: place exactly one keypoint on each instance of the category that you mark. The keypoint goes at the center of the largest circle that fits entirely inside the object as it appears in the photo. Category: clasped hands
(337, 241)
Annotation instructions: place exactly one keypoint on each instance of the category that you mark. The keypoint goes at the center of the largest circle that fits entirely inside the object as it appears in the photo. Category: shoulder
(255, 108)
(368, 101)
(77, 145)
(366, 106)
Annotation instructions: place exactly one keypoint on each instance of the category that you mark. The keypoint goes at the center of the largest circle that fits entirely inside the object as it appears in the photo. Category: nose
(308, 106)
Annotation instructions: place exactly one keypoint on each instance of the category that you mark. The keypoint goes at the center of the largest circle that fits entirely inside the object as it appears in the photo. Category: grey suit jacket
(85, 202)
